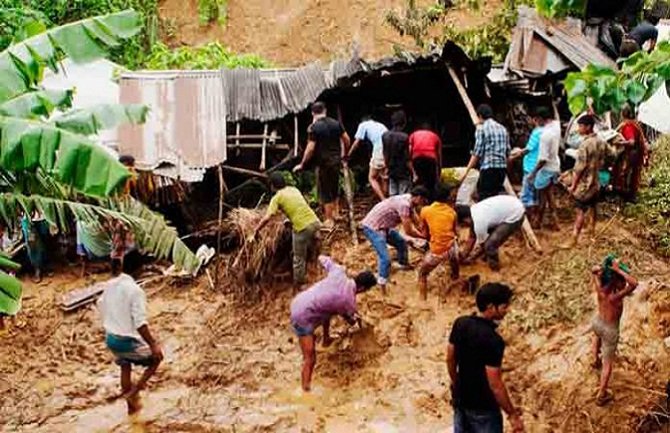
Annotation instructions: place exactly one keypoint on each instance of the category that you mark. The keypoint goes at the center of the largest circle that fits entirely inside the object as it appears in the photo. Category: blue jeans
(477, 421)
(379, 240)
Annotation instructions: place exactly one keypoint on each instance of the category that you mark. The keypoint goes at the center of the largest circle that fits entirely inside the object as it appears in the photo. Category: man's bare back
(611, 296)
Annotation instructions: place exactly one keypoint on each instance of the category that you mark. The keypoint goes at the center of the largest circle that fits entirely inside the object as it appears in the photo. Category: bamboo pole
(526, 228)
(245, 171)
(464, 95)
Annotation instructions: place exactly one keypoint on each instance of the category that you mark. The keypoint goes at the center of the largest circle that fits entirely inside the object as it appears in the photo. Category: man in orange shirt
(438, 223)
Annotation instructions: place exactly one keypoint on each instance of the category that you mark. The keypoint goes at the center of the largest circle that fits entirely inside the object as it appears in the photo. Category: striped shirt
(389, 213)
(491, 145)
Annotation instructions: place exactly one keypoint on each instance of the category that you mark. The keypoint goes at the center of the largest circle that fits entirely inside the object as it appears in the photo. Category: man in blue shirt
(373, 131)
(491, 151)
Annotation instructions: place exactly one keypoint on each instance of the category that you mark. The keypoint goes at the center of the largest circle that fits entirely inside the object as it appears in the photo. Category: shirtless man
(612, 283)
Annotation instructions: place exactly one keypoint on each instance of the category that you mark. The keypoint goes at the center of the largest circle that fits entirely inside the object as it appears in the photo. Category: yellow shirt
(440, 219)
(291, 201)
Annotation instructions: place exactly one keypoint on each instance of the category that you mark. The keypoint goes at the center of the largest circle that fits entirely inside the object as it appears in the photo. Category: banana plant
(48, 162)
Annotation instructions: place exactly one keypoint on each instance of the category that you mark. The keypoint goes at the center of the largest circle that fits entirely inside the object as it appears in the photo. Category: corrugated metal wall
(186, 125)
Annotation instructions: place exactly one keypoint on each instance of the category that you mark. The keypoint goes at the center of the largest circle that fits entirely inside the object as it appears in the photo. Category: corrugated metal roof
(540, 46)
(189, 109)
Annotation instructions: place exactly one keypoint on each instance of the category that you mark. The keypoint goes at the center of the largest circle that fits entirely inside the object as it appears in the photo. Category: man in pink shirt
(335, 295)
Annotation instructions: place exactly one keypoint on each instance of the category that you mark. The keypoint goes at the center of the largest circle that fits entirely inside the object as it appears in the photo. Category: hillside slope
(295, 32)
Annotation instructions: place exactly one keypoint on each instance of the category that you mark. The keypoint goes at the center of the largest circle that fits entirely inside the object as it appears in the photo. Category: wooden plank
(253, 136)
(244, 171)
(464, 95)
(260, 146)
(222, 190)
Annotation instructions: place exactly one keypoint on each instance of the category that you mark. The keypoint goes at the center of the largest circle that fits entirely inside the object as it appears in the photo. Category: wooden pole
(295, 135)
(464, 95)
(237, 139)
(348, 193)
(222, 189)
(244, 171)
(526, 228)
(264, 147)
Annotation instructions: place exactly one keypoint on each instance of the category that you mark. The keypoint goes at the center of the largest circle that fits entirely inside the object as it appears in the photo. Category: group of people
(427, 217)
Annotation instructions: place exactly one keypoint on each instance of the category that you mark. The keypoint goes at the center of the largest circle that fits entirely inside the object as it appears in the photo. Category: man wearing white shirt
(545, 174)
(373, 131)
(124, 317)
(492, 221)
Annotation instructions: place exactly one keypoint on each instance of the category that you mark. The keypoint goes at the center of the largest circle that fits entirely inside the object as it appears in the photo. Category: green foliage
(209, 56)
(653, 205)
(608, 90)
(561, 8)
(47, 163)
(213, 11)
(15, 13)
(415, 21)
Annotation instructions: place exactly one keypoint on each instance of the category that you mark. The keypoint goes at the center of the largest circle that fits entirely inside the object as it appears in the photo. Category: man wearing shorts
(585, 188)
(127, 335)
(372, 131)
(545, 173)
(327, 144)
(612, 283)
(335, 295)
(438, 223)
(530, 154)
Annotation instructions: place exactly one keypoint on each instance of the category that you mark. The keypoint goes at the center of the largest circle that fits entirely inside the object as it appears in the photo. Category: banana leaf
(40, 103)
(74, 160)
(21, 65)
(10, 294)
(58, 212)
(155, 236)
(91, 120)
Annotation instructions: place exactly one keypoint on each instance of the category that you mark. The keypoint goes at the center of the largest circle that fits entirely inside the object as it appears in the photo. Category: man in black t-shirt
(327, 145)
(474, 359)
(396, 156)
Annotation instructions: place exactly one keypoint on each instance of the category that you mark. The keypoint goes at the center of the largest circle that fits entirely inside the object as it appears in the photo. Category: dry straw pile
(257, 254)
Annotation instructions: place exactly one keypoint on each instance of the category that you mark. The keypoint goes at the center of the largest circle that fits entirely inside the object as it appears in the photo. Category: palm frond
(21, 64)
(74, 160)
(91, 120)
(39, 103)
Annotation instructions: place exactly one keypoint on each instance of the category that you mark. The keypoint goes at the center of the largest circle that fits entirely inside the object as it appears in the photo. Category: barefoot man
(612, 283)
(334, 295)
(124, 317)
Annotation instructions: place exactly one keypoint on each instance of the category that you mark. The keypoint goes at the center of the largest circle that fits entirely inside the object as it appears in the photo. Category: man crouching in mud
(612, 282)
(314, 307)
(123, 306)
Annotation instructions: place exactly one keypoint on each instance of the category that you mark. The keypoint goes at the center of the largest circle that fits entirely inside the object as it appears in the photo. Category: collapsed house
(253, 121)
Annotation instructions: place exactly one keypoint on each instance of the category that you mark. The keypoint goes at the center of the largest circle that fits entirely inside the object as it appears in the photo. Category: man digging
(124, 317)
(379, 227)
(332, 296)
(612, 283)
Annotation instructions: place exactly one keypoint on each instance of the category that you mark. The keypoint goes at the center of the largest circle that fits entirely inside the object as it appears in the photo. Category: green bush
(653, 205)
(209, 56)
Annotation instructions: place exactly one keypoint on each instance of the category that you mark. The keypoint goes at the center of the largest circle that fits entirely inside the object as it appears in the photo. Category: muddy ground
(235, 368)
(296, 32)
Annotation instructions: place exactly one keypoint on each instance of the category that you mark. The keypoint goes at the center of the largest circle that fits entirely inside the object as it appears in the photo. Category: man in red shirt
(628, 169)
(425, 149)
